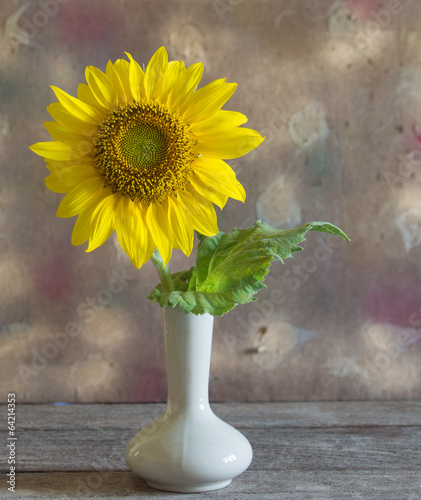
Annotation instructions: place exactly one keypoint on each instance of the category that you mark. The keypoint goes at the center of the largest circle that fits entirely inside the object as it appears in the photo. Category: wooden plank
(244, 415)
(359, 448)
(258, 485)
(301, 450)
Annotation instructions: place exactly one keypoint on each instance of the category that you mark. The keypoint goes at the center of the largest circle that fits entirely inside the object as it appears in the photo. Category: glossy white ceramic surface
(188, 448)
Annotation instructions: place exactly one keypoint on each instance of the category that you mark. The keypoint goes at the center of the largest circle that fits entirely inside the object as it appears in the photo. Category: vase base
(190, 489)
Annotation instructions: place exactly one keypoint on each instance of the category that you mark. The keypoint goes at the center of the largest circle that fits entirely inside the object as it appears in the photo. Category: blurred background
(334, 87)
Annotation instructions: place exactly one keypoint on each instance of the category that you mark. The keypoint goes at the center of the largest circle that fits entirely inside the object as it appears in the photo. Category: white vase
(188, 448)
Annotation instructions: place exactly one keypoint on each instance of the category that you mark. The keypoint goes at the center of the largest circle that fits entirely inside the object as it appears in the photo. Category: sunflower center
(144, 151)
(143, 146)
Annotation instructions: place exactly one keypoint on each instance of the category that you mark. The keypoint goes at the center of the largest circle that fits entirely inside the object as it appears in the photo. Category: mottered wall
(334, 87)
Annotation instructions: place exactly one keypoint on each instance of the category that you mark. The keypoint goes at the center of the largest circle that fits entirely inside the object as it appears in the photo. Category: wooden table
(302, 451)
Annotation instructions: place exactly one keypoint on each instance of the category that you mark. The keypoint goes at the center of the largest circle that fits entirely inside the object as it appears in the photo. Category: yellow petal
(54, 150)
(175, 71)
(216, 177)
(84, 94)
(206, 101)
(67, 120)
(102, 221)
(157, 222)
(199, 210)
(229, 144)
(100, 86)
(122, 67)
(155, 74)
(200, 92)
(82, 226)
(60, 133)
(57, 166)
(180, 226)
(80, 197)
(119, 95)
(216, 197)
(62, 181)
(185, 85)
(222, 120)
(120, 225)
(78, 108)
(136, 77)
(149, 244)
(132, 232)
(79, 143)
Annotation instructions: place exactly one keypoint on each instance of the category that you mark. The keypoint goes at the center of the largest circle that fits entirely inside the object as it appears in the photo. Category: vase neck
(188, 344)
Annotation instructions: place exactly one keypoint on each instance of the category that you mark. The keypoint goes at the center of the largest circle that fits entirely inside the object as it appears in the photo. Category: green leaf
(205, 252)
(230, 268)
(216, 304)
(182, 279)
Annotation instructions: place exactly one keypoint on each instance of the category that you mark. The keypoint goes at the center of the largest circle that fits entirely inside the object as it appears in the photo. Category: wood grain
(290, 485)
(364, 450)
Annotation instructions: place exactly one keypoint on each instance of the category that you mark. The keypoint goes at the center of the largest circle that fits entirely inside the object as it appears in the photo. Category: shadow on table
(93, 484)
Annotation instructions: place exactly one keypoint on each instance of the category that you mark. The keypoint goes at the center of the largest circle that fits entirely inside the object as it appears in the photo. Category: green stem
(163, 272)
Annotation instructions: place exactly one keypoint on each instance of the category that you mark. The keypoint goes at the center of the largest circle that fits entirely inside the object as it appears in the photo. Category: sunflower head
(142, 153)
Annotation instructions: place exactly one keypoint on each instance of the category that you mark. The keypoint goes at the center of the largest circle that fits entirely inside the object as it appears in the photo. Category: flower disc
(144, 151)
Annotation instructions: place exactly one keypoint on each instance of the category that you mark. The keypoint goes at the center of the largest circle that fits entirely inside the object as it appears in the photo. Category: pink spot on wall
(149, 386)
(401, 308)
(364, 8)
(52, 278)
(412, 156)
(92, 23)
(417, 134)
(393, 306)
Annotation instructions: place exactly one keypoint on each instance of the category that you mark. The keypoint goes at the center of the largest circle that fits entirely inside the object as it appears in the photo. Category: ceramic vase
(188, 448)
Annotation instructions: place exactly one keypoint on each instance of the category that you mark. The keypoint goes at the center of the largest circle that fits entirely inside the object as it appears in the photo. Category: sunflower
(142, 153)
